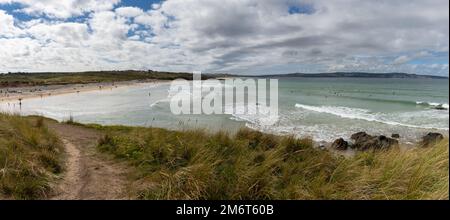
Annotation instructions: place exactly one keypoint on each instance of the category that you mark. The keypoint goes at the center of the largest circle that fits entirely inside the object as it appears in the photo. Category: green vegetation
(253, 165)
(195, 164)
(38, 79)
(30, 157)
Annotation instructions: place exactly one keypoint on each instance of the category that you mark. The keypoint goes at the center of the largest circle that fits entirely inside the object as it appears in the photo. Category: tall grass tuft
(29, 158)
(253, 165)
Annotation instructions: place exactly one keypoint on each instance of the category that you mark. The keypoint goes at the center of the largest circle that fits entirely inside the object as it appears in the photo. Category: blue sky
(144, 4)
(14, 8)
(234, 36)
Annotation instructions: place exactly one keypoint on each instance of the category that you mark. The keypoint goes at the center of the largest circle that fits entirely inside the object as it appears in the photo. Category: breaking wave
(433, 104)
(360, 114)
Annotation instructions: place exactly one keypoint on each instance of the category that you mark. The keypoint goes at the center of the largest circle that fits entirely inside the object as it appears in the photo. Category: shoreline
(17, 94)
(10, 94)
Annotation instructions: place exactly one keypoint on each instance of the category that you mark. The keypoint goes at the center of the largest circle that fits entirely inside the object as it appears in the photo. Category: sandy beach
(13, 94)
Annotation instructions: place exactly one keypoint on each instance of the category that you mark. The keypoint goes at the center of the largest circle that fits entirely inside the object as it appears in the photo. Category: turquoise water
(321, 108)
(332, 108)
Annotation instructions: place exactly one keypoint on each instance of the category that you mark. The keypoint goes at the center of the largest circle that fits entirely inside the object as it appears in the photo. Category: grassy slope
(34, 79)
(249, 165)
(30, 156)
(252, 165)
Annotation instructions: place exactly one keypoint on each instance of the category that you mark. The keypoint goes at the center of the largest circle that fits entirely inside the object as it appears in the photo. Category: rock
(340, 144)
(360, 137)
(431, 139)
(396, 136)
(384, 142)
(364, 142)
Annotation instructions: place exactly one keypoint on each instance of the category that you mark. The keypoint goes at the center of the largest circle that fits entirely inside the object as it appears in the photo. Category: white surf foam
(258, 115)
(360, 114)
(433, 104)
(154, 104)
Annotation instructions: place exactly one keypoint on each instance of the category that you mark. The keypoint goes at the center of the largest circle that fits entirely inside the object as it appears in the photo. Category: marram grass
(248, 165)
(30, 157)
(252, 165)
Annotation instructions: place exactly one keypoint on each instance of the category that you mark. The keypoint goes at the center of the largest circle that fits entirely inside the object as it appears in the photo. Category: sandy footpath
(89, 174)
(13, 94)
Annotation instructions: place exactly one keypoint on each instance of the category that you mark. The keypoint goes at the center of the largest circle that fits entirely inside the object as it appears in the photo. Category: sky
(225, 36)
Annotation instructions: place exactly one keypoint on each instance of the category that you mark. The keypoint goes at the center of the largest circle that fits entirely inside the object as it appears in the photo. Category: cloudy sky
(235, 36)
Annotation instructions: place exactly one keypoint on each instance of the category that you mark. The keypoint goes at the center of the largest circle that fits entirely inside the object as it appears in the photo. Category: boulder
(363, 141)
(431, 139)
(384, 142)
(396, 136)
(340, 144)
(361, 137)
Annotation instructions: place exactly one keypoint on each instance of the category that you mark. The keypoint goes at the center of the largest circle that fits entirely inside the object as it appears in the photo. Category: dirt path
(89, 175)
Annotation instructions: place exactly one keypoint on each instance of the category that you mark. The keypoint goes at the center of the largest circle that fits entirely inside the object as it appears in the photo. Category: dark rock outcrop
(364, 141)
(361, 137)
(431, 139)
(340, 144)
(396, 136)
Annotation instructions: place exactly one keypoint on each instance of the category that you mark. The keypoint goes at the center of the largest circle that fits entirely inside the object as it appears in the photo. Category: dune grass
(30, 157)
(195, 164)
(252, 165)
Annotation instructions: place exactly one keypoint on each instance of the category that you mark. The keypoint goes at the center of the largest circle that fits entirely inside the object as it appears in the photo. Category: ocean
(321, 108)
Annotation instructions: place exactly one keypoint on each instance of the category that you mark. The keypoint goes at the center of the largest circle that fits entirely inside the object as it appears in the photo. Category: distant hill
(61, 78)
(359, 75)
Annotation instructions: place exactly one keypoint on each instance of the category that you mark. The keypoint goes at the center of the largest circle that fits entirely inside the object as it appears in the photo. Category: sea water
(321, 108)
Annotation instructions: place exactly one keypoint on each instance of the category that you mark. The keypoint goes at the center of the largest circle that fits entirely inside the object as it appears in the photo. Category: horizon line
(223, 73)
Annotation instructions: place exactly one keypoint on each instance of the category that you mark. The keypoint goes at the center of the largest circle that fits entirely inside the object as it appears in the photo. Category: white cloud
(63, 8)
(237, 33)
(243, 36)
(129, 11)
(156, 6)
(65, 34)
(404, 59)
(8, 29)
